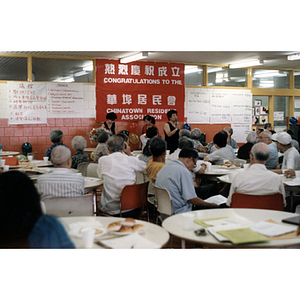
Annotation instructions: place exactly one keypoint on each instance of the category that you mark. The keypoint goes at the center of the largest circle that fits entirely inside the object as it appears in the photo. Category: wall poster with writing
(27, 103)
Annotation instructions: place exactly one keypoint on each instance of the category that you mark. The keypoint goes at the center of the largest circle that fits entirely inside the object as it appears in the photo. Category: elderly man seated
(257, 180)
(266, 137)
(61, 182)
(230, 141)
(117, 170)
(291, 157)
(177, 179)
(223, 152)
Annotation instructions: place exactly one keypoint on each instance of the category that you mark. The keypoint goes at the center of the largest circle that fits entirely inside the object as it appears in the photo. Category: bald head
(261, 153)
(61, 157)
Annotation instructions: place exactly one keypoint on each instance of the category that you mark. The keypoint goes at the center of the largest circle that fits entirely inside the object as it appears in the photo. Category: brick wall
(14, 136)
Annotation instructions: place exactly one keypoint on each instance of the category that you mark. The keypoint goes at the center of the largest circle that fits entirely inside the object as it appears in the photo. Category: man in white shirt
(291, 157)
(117, 170)
(257, 180)
(61, 182)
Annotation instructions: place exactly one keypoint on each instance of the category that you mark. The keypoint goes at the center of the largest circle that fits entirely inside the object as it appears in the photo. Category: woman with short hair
(79, 144)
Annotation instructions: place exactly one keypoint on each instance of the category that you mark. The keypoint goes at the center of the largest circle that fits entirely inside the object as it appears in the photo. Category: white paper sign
(27, 102)
(278, 115)
(65, 98)
(240, 132)
(241, 107)
(220, 107)
(197, 106)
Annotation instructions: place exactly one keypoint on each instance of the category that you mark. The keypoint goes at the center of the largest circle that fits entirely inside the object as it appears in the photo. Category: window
(193, 75)
(62, 70)
(281, 112)
(218, 76)
(297, 80)
(13, 68)
(270, 79)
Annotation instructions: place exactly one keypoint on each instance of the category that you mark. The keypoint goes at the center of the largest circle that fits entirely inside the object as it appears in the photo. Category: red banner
(137, 89)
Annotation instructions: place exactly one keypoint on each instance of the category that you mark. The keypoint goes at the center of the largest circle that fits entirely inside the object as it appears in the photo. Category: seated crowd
(176, 172)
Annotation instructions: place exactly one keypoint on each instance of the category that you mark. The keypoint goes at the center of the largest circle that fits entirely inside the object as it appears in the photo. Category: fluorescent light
(293, 57)
(213, 70)
(134, 57)
(89, 67)
(250, 63)
(80, 73)
(192, 69)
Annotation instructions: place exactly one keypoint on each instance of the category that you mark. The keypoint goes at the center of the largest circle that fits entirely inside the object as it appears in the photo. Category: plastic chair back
(134, 196)
(11, 161)
(69, 207)
(92, 170)
(297, 210)
(82, 167)
(164, 203)
(273, 202)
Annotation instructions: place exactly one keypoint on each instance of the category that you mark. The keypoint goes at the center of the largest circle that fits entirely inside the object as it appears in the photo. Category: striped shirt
(61, 182)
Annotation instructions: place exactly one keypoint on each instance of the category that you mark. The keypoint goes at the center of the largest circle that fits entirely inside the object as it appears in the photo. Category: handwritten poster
(197, 105)
(220, 107)
(240, 132)
(27, 103)
(241, 107)
(65, 97)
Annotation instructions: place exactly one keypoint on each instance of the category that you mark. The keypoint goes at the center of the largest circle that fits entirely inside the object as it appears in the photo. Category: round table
(153, 233)
(8, 153)
(174, 225)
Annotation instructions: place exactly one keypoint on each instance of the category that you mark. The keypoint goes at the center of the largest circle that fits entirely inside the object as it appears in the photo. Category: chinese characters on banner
(65, 98)
(139, 88)
(27, 103)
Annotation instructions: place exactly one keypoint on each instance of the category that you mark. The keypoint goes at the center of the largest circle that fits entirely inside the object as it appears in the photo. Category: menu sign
(136, 89)
(27, 103)
(65, 98)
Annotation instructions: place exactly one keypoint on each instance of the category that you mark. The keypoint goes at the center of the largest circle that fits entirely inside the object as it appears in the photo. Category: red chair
(273, 202)
(11, 161)
(134, 196)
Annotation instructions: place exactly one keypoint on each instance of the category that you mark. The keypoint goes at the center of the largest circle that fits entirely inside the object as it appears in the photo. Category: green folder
(202, 221)
(243, 236)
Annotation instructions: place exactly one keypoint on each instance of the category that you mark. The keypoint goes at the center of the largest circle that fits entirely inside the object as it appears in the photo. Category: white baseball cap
(283, 138)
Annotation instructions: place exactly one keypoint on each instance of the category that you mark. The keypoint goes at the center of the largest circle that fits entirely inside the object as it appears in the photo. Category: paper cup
(188, 221)
(88, 235)
(246, 166)
(2, 162)
(46, 159)
(208, 165)
(30, 157)
(5, 168)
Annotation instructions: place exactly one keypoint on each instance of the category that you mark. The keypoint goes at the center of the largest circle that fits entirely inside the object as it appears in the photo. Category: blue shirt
(273, 161)
(48, 233)
(177, 179)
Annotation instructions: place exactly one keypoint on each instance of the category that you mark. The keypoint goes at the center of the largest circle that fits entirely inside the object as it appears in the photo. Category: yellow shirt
(153, 168)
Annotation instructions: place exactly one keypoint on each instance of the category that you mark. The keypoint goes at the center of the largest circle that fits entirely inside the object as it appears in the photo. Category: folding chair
(69, 207)
(273, 202)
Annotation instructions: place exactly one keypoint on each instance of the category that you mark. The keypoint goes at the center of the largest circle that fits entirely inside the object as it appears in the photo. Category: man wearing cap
(265, 137)
(291, 157)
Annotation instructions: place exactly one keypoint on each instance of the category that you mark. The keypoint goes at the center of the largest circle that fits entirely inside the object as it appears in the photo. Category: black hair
(19, 209)
(220, 138)
(152, 120)
(103, 137)
(157, 146)
(111, 116)
(188, 153)
(170, 113)
(184, 142)
(148, 118)
(267, 125)
(146, 150)
(151, 132)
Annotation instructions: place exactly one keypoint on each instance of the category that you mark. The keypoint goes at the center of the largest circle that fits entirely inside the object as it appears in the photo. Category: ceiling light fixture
(293, 57)
(245, 64)
(134, 57)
